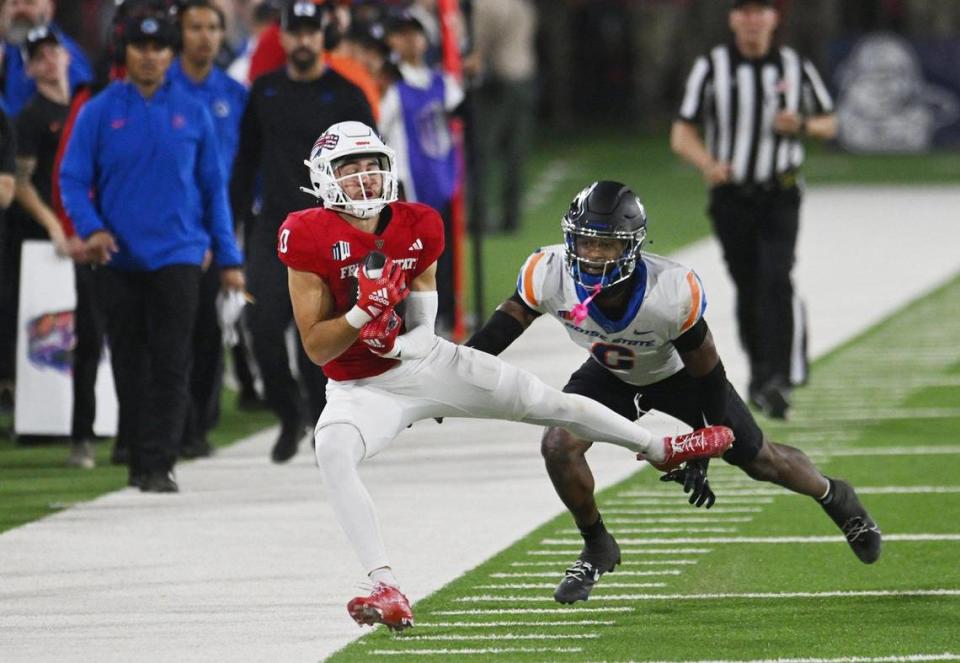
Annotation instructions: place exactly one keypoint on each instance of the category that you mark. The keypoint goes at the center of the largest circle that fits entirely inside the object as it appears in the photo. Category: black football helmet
(135, 10)
(609, 210)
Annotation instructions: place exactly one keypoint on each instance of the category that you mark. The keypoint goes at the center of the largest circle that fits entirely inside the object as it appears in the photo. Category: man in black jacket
(287, 110)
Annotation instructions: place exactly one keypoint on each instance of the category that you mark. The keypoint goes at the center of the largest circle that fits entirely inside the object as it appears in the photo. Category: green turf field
(764, 574)
(35, 481)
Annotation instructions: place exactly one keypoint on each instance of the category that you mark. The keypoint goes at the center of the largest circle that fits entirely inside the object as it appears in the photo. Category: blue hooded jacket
(149, 171)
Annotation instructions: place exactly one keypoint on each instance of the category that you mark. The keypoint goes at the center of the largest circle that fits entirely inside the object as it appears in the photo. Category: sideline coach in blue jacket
(143, 183)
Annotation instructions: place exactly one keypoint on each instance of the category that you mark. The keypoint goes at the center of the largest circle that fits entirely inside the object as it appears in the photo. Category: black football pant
(758, 232)
(90, 326)
(150, 318)
(446, 297)
(206, 371)
(269, 318)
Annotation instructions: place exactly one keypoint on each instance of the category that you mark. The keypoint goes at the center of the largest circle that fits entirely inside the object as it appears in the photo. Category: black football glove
(693, 477)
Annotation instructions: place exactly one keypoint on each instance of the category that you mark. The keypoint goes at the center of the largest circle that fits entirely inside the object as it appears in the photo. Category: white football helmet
(339, 144)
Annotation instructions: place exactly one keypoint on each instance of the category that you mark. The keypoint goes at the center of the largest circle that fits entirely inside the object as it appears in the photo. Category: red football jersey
(320, 241)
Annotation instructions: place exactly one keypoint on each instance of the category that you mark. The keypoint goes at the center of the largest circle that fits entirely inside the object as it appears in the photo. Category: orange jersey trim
(696, 298)
(528, 279)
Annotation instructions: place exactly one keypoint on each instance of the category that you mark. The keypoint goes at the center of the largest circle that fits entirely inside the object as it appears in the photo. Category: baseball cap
(150, 28)
(37, 37)
(402, 20)
(737, 4)
(302, 14)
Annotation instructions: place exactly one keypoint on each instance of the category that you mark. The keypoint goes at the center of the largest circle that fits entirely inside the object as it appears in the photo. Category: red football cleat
(708, 442)
(385, 605)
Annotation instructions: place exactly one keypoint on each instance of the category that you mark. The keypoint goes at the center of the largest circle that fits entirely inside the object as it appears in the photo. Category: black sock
(594, 531)
(826, 499)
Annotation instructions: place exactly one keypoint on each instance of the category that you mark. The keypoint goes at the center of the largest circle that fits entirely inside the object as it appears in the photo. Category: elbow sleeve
(501, 330)
(421, 310)
(713, 388)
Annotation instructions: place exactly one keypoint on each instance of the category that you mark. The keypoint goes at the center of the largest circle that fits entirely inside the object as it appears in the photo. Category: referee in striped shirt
(755, 102)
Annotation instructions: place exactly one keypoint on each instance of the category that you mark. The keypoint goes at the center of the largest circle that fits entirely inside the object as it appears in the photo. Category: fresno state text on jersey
(320, 241)
(667, 300)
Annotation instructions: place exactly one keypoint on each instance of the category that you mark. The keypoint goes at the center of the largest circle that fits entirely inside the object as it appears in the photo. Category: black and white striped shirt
(736, 99)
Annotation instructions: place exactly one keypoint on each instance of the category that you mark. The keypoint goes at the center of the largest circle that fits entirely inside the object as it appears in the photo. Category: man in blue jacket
(143, 183)
(202, 26)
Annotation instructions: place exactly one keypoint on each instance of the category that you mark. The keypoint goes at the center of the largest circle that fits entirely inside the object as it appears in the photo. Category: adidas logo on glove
(381, 296)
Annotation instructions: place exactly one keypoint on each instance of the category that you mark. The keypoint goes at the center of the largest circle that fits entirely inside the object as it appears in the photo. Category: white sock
(339, 450)
(384, 576)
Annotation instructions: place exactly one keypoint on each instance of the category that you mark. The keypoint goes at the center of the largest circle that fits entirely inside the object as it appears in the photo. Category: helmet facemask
(605, 274)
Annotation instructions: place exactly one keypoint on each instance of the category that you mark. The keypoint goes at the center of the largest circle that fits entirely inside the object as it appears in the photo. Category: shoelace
(691, 441)
(856, 527)
(579, 570)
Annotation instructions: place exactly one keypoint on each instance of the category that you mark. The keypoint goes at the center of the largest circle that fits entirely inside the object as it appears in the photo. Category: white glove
(230, 305)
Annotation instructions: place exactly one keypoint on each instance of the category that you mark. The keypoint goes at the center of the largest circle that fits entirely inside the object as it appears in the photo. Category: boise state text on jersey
(320, 241)
(667, 301)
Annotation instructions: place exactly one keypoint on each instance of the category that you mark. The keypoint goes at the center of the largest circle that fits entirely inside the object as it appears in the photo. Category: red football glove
(380, 286)
(381, 333)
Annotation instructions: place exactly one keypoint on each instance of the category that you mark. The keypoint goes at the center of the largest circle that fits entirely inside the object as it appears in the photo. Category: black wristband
(500, 331)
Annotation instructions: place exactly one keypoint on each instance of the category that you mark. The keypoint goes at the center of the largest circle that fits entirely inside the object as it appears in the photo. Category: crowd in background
(149, 140)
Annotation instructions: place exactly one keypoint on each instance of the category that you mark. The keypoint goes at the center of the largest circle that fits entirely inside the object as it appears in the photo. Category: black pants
(150, 318)
(268, 319)
(15, 228)
(446, 297)
(758, 233)
(677, 396)
(90, 326)
(206, 371)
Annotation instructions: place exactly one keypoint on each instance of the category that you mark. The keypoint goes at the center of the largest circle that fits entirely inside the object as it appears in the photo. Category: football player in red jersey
(368, 320)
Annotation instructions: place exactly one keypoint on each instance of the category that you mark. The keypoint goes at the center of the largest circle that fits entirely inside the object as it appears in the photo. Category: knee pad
(337, 444)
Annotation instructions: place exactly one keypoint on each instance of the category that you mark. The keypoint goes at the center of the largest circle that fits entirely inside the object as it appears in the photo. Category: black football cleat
(594, 561)
(159, 481)
(848, 513)
(196, 449)
(773, 399)
(288, 441)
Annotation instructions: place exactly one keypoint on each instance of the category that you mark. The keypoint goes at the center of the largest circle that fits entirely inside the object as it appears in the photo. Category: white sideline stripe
(681, 510)
(671, 530)
(567, 622)
(630, 551)
(911, 658)
(907, 490)
(732, 495)
(945, 449)
(762, 539)
(649, 498)
(471, 652)
(626, 562)
(732, 595)
(553, 574)
(678, 521)
(552, 585)
(453, 637)
(826, 416)
(559, 610)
